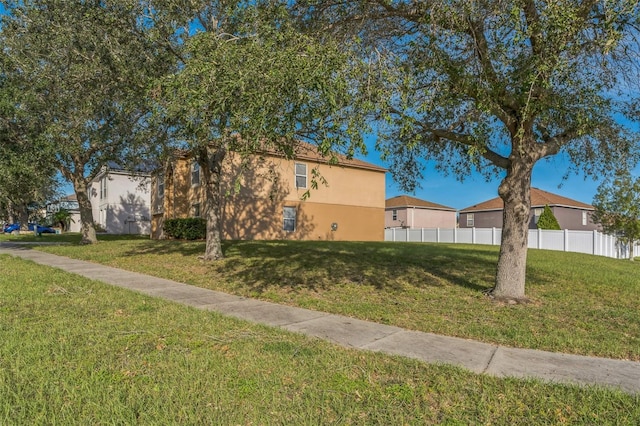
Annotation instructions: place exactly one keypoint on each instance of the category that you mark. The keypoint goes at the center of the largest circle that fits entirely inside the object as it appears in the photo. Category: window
(103, 188)
(195, 209)
(289, 215)
(470, 220)
(301, 175)
(536, 214)
(195, 173)
(584, 218)
(394, 214)
(160, 186)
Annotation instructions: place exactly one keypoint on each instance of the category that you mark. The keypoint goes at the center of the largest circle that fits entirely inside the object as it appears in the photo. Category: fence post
(393, 234)
(595, 242)
(539, 242)
(437, 235)
(422, 235)
(566, 240)
(473, 235)
(455, 235)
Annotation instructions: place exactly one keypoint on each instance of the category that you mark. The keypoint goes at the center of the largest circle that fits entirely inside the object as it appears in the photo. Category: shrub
(193, 228)
(547, 220)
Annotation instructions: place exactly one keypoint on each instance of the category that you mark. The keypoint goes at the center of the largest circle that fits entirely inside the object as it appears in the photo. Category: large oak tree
(27, 177)
(249, 82)
(84, 69)
(496, 86)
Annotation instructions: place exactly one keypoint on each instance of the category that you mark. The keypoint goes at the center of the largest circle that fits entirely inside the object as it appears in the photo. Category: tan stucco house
(571, 214)
(404, 211)
(265, 200)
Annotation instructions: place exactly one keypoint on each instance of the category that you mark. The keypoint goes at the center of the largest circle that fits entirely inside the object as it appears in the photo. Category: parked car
(9, 228)
(42, 229)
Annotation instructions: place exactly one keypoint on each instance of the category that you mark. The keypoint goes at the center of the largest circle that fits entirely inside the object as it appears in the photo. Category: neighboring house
(571, 214)
(404, 211)
(70, 203)
(265, 199)
(121, 200)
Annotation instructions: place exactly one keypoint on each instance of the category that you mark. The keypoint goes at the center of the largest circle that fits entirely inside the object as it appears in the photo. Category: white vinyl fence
(590, 242)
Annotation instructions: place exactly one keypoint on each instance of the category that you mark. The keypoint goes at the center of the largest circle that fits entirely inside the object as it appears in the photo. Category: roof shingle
(407, 201)
(539, 198)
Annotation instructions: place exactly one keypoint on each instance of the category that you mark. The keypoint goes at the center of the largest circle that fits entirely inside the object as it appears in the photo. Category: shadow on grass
(319, 265)
(257, 266)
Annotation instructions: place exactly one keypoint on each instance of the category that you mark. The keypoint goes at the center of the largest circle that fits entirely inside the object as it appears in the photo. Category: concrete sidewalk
(475, 356)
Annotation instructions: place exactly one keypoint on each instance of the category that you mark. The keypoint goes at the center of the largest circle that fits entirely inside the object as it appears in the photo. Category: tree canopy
(83, 69)
(27, 177)
(617, 208)
(250, 82)
(496, 86)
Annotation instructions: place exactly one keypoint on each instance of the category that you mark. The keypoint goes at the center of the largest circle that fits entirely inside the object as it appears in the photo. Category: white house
(121, 200)
(70, 203)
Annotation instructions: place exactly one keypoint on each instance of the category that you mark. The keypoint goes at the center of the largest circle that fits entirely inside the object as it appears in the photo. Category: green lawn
(581, 304)
(75, 351)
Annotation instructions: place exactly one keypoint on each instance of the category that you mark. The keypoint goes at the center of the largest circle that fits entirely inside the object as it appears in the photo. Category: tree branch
(490, 155)
(533, 22)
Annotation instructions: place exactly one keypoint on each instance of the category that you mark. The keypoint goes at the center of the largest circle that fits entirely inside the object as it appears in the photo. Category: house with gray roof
(571, 214)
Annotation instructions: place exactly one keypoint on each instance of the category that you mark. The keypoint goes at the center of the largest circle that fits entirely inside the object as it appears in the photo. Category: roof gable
(407, 201)
(309, 152)
(539, 198)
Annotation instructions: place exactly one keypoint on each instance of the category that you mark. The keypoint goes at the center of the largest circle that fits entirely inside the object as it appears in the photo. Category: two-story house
(404, 211)
(267, 198)
(69, 203)
(121, 200)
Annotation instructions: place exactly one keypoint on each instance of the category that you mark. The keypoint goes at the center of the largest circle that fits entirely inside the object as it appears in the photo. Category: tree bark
(23, 212)
(10, 212)
(211, 160)
(515, 191)
(86, 212)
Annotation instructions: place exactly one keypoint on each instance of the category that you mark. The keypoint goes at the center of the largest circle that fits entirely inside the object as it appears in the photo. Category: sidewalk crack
(493, 354)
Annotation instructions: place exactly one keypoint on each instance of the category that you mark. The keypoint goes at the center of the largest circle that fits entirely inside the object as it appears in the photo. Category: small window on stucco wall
(584, 218)
(289, 219)
(394, 214)
(195, 173)
(195, 210)
(470, 219)
(301, 175)
(103, 188)
(160, 186)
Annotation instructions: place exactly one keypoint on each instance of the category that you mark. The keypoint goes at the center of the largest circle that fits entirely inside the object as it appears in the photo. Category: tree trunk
(631, 245)
(515, 191)
(211, 166)
(10, 212)
(86, 212)
(23, 213)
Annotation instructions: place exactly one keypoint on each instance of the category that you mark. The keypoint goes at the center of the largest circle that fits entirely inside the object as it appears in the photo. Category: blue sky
(447, 190)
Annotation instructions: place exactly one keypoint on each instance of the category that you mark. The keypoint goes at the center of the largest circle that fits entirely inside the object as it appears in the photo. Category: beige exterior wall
(352, 200)
(416, 217)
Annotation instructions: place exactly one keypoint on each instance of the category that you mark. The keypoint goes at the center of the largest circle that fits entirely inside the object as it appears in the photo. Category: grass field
(75, 351)
(581, 304)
